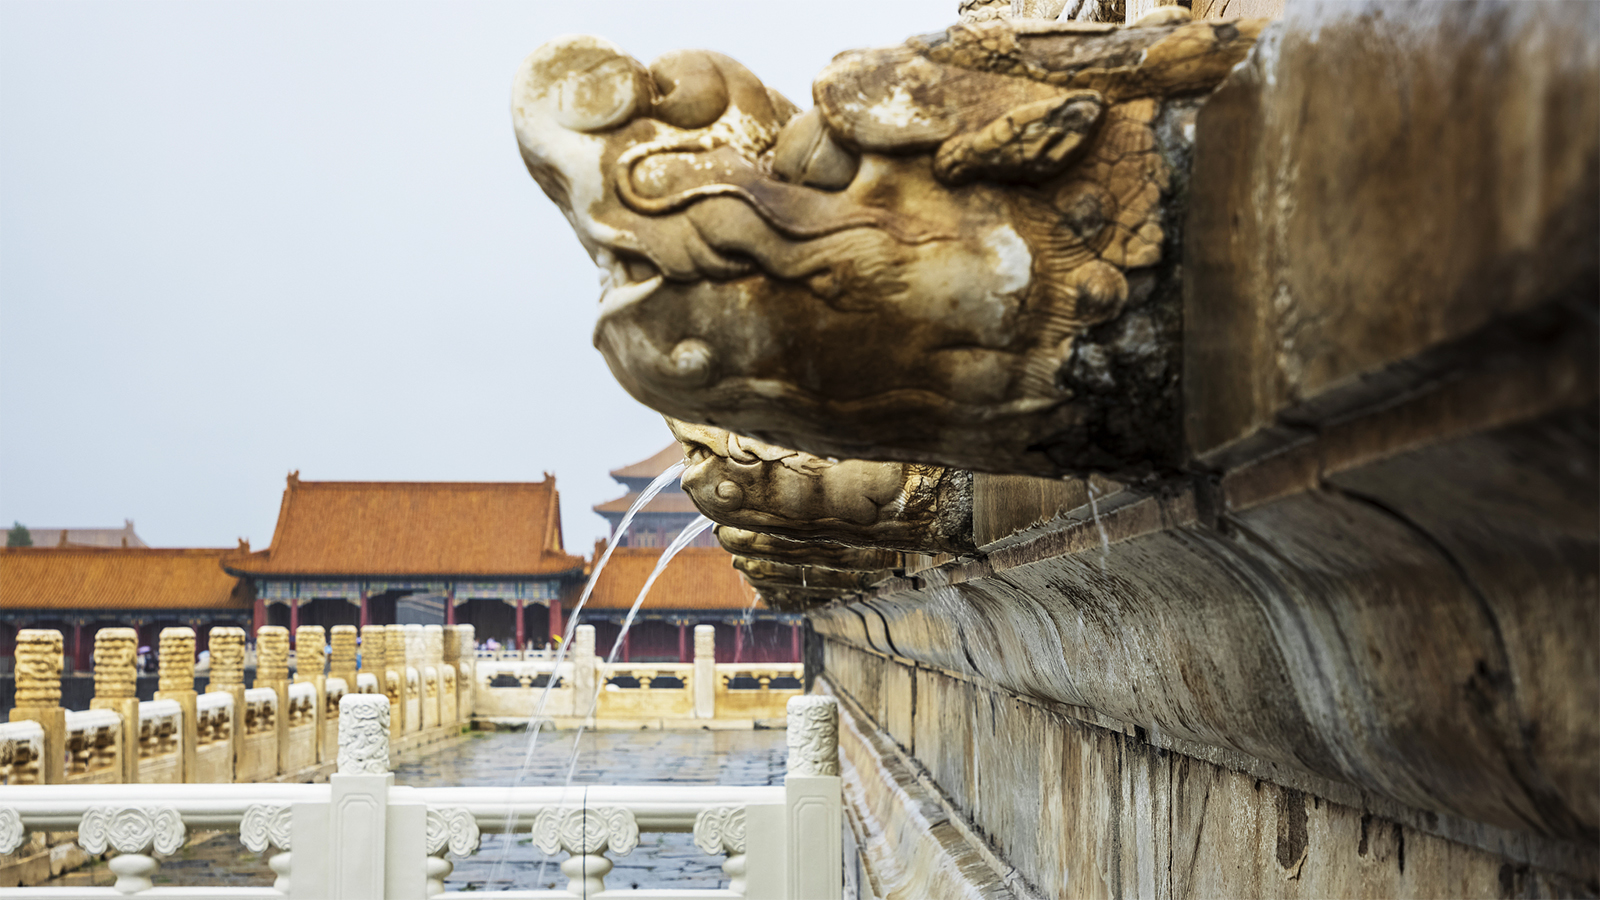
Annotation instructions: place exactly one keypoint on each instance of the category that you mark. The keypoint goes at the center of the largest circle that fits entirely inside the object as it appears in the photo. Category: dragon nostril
(806, 154)
(602, 95)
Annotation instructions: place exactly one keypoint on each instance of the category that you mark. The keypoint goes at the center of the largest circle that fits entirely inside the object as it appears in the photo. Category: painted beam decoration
(955, 259)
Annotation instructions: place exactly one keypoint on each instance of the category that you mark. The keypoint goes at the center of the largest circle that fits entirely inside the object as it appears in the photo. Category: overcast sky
(242, 238)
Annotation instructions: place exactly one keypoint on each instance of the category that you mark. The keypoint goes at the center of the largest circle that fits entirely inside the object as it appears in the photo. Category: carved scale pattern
(262, 825)
(720, 829)
(452, 827)
(131, 829)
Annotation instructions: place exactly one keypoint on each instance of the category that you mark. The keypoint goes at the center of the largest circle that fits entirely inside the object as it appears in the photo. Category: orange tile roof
(354, 528)
(118, 578)
(664, 502)
(655, 465)
(697, 578)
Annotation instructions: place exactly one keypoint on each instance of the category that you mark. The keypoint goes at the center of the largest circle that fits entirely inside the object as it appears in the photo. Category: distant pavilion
(79, 590)
(699, 587)
(380, 553)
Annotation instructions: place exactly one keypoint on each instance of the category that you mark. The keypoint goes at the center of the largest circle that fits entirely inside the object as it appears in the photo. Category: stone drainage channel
(491, 758)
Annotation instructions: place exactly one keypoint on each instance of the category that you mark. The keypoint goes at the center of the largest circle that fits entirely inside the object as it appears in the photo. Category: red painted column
(557, 629)
(294, 618)
(366, 619)
(79, 663)
(794, 642)
(738, 640)
(627, 639)
(449, 607)
(258, 619)
(683, 642)
(521, 624)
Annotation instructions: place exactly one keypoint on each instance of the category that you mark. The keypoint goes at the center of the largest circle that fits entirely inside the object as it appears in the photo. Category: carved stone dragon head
(905, 271)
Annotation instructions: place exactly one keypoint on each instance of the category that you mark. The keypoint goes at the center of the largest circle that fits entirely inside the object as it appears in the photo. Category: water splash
(536, 716)
(1094, 509)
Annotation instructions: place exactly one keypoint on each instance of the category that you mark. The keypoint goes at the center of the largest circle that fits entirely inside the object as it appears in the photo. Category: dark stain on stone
(1400, 846)
(1366, 822)
(1292, 827)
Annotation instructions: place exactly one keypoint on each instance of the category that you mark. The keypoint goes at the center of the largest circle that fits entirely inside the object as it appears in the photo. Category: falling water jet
(536, 716)
(694, 530)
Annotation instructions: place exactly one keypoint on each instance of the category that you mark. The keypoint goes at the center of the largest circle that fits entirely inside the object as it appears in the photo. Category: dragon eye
(806, 154)
(601, 96)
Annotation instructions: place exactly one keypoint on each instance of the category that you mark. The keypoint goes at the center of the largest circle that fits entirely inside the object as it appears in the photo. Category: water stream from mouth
(536, 716)
(687, 536)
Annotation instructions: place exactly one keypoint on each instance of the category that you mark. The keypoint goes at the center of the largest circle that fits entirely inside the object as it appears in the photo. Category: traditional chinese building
(360, 553)
(698, 587)
(87, 537)
(79, 590)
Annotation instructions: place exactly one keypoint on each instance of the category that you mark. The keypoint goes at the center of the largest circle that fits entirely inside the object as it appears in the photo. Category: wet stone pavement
(492, 758)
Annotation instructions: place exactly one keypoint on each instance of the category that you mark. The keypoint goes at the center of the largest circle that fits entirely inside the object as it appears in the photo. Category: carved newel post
(342, 662)
(310, 643)
(177, 683)
(395, 686)
(373, 643)
(467, 671)
(705, 671)
(450, 658)
(227, 676)
(812, 798)
(430, 644)
(585, 672)
(360, 807)
(115, 674)
(38, 667)
(272, 671)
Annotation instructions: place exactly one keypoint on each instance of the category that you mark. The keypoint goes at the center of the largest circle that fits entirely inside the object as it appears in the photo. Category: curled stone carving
(762, 572)
(822, 554)
(452, 827)
(176, 659)
(131, 829)
(265, 825)
(342, 658)
(948, 261)
(588, 831)
(750, 484)
(813, 736)
(272, 654)
(720, 829)
(115, 663)
(38, 666)
(11, 830)
(363, 734)
(226, 644)
(374, 646)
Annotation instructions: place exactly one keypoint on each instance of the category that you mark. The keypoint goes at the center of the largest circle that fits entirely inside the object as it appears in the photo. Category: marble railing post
(586, 678)
(416, 696)
(115, 673)
(705, 671)
(310, 643)
(450, 658)
(433, 660)
(342, 663)
(176, 663)
(227, 677)
(813, 799)
(38, 695)
(466, 670)
(272, 671)
(395, 677)
(373, 644)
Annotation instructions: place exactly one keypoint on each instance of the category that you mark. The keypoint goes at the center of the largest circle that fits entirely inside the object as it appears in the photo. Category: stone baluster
(586, 833)
(268, 825)
(466, 671)
(453, 830)
(450, 658)
(361, 806)
(310, 643)
(430, 643)
(719, 830)
(812, 798)
(342, 663)
(585, 672)
(705, 672)
(176, 662)
(38, 695)
(227, 677)
(133, 831)
(272, 671)
(395, 678)
(115, 679)
(373, 644)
